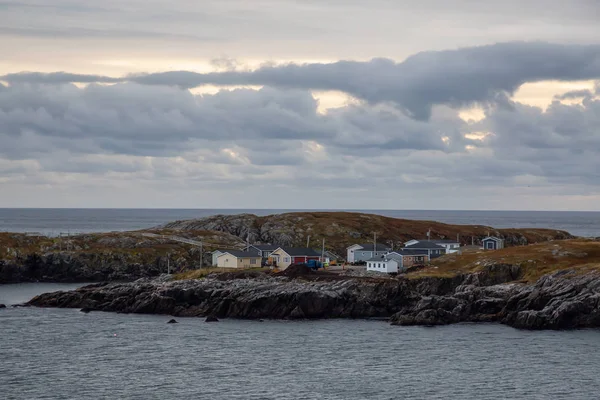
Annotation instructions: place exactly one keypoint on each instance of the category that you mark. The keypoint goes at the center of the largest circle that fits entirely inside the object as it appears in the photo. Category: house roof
(241, 254)
(370, 246)
(444, 241)
(263, 247)
(300, 251)
(424, 244)
(411, 252)
(492, 238)
(223, 250)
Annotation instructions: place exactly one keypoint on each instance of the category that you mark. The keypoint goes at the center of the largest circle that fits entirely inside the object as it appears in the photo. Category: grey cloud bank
(457, 78)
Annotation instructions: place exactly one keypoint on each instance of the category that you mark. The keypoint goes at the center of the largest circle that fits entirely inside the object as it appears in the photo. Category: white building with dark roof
(363, 252)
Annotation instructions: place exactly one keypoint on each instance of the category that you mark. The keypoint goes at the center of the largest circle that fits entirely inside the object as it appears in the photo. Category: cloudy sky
(379, 104)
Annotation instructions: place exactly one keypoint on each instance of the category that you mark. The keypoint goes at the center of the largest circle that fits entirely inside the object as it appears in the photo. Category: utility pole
(323, 252)
(429, 234)
(201, 255)
(308, 241)
(168, 263)
(374, 243)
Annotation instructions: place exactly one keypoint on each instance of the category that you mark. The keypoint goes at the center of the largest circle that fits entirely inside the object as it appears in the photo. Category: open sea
(54, 221)
(66, 354)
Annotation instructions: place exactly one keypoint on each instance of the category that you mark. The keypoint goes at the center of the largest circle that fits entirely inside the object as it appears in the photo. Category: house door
(490, 245)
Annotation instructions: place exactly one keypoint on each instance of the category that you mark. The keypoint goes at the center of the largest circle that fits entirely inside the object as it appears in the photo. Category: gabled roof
(492, 238)
(241, 254)
(223, 250)
(424, 244)
(263, 247)
(300, 251)
(370, 246)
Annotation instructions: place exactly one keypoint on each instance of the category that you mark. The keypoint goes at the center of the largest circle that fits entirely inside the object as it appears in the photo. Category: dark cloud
(458, 78)
(575, 94)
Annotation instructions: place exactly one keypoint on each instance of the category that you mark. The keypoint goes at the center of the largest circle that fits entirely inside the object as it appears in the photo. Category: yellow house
(238, 259)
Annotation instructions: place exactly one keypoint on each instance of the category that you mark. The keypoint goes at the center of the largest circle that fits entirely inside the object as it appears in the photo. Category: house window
(286, 259)
(364, 254)
(253, 261)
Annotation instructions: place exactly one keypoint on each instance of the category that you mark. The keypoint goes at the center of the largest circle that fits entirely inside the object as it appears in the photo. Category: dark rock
(172, 321)
(2, 306)
(211, 318)
(86, 310)
(557, 301)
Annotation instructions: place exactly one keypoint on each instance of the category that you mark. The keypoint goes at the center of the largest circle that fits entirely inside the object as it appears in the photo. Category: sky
(379, 104)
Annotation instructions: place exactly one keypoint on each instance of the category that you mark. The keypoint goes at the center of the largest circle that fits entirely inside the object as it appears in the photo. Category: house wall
(215, 255)
(248, 262)
(227, 261)
(282, 259)
(299, 260)
(492, 244)
(389, 266)
(350, 253)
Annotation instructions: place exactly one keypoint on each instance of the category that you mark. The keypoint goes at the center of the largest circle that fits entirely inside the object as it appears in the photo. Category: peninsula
(543, 279)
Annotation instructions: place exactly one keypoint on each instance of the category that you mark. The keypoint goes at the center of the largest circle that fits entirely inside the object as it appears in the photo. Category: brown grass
(536, 259)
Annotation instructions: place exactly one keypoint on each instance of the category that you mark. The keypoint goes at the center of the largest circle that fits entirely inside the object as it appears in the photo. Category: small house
(215, 255)
(283, 257)
(492, 243)
(238, 259)
(389, 264)
(397, 261)
(430, 248)
(363, 252)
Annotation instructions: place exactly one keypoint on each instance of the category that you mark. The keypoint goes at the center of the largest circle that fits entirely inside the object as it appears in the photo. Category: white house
(390, 263)
(238, 259)
(364, 252)
(492, 243)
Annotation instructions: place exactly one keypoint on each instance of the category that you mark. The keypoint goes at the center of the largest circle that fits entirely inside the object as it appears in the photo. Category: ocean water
(65, 354)
(55, 221)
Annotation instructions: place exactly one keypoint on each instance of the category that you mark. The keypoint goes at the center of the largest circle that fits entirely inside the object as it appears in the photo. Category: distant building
(492, 243)
(431, 248)
(389, 263)
(283, 257)
(215, 255)
(397, 261)
(238, 259)
(451, 246)
(364, 252)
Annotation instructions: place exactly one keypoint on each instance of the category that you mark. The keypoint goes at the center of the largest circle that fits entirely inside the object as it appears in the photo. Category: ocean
(55, 221)
(66, 354)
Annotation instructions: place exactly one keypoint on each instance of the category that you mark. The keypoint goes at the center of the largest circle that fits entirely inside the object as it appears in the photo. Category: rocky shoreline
(562, 300)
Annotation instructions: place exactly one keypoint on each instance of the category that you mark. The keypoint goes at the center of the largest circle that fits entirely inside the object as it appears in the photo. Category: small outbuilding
(492, 243)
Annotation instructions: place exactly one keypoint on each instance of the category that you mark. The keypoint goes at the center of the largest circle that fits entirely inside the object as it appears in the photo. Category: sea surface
(65, 354)
(55, 221)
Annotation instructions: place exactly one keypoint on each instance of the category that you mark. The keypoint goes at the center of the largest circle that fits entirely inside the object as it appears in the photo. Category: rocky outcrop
(562, 300)
(79, 267)
(340, 229)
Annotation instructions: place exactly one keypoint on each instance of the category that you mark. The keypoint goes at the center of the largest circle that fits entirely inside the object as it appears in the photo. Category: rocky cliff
(341, 229)
(562, 300)
(101, 257)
